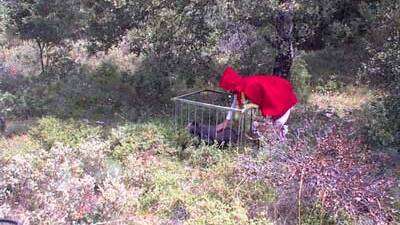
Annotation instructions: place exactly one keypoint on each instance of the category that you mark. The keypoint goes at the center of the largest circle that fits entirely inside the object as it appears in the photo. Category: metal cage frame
(194, 108)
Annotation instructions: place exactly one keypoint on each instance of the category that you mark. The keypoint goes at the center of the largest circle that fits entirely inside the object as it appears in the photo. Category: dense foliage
(48, 23)
(78, 78)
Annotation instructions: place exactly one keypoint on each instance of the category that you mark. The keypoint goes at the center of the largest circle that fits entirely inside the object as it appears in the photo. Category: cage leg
(188, 114)
(195, 118)
(244, 115)
(237, 141)
(175, 115)
(202, 121)
(181, 119)
(230, 132)
(216, 123)
(251, 122)
(240, 131)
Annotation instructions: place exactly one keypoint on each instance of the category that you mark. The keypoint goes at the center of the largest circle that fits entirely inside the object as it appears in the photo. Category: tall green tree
(252, 29)
(288, 27)
(173, 37)
(109, 21)
(46, 22)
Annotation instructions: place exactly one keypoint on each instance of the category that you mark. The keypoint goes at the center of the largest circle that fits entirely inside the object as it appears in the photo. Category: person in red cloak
(273, 95)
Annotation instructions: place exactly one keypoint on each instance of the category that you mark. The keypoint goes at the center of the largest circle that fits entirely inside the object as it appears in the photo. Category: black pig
(208, 134)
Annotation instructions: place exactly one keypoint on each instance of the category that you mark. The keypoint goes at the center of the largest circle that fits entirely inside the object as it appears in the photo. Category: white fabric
(233, 105)
(283, 119)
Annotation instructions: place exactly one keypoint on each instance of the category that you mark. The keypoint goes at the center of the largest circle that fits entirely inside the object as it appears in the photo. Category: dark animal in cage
(201, 111)
(208, 134)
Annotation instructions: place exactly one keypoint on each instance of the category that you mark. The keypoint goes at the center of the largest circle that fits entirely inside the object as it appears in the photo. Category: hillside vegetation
(85, 89)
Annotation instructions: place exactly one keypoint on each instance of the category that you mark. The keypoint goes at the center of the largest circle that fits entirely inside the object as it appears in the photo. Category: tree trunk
(284, 29)
(41, 49)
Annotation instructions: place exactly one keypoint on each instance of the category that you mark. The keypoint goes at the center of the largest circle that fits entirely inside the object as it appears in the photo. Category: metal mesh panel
(199, 112)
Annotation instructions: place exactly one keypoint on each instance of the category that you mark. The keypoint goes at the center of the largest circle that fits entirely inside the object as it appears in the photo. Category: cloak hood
(230, 80)
(274, 95)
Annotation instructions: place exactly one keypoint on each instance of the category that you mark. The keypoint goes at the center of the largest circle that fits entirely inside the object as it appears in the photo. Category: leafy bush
(383, 47)
(333, 169)
(301, 79)
(26, 92)
(135, 138)
(66, 185)
(71, 181)
(50, 131)
(205, 155)
(7, 103)
(330, 84)
(21, 59)
(332, 69)
(23, 104)
(100, 92)
(152, 87)
(71, 90)
(382, 122)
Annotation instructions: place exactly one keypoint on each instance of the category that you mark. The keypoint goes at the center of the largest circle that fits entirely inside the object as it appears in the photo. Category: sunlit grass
(342, 102)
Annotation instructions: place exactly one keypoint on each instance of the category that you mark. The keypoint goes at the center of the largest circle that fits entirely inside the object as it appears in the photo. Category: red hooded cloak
(273, 95)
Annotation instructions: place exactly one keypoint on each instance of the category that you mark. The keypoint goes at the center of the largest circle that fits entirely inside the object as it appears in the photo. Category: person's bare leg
(280, 124)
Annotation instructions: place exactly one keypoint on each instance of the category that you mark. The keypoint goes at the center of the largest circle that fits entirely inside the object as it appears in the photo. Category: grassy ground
(353, 98)
(79, 171)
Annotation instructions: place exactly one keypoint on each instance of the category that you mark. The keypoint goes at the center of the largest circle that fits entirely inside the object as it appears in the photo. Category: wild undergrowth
(57, 171)
(64, 172)
(327, 170)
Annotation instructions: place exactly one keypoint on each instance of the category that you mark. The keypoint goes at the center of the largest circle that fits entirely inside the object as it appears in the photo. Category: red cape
(273, 95)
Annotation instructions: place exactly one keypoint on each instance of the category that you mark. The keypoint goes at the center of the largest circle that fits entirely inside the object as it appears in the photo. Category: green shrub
(383, 48)
(165, 189)
(382, 122)
(330, 83)
(205, 155)
(134, 138)
(183, 141)
(32, 96)
(316, 216)
(83, 93)
(332, 68)
(71, 90)
(301, 79)
(50, 130)
(19, 145)
(152, 85)
(7, 103)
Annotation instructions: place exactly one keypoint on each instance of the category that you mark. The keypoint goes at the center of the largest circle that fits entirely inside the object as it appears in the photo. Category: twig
(240, 183)
(322, 208)
(116, 221)
(299, 198)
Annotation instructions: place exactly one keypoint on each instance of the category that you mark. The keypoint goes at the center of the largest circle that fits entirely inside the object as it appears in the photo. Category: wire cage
(201, 111)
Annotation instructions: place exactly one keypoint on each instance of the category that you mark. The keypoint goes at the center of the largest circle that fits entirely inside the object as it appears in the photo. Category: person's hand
(250, 106)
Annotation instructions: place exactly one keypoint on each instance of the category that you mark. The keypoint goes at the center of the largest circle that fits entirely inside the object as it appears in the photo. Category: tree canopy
(189, 37)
